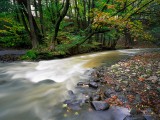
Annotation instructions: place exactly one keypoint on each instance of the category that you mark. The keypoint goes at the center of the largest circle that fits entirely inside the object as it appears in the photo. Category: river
(28, 93)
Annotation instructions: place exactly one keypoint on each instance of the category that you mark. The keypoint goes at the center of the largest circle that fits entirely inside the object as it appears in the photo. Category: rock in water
(100, 105)
(82, 84)
(2, 82)
(93, 85)
(47, 81)
(71, 94)
(73, 104)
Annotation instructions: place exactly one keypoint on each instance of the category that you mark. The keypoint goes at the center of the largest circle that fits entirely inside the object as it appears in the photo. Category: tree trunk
(35, 5)
(32, 29)
(128, 39)
(41, 17)
(16, 11)
(58, 21)
(77, 15)
(84, 24)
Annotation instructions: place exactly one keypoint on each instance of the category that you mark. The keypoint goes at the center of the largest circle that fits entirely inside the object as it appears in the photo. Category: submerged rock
(3, 82)
(47, 81)
(100, 105)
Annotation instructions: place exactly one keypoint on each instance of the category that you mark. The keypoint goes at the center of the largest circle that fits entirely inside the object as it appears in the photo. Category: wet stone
(108, 93)
(82, 84)
(100, 105)
(93, 85)
(95, 98)
(125, 82)
(135, 112)
(153, 79)
(122, 98)
(158, 89)
(95, 80)
(118, 89)
(138, 98)
(134, 117)
(47, 81)
(73, 104)
(71, 94)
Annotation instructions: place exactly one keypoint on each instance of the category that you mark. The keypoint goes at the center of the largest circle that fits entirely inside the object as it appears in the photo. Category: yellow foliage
(110, 6)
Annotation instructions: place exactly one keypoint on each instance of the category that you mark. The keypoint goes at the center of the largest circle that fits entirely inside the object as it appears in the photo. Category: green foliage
(5, 6)
(30, 55)
(108, 17)
(12, 34)
(70, 42)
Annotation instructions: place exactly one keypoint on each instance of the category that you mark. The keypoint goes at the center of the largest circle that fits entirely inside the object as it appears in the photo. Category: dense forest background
(67, 27)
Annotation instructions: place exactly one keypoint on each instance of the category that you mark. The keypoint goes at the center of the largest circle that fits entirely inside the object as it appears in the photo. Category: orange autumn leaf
(141, 79)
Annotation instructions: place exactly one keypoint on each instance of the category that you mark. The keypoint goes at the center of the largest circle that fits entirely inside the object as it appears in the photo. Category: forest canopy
(63, 27)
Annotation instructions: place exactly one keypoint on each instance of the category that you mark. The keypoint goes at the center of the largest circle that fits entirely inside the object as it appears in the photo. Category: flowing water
(28, 93)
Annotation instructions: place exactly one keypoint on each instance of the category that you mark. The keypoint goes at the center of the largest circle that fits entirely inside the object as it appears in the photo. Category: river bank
(11, 55)
(133, 83)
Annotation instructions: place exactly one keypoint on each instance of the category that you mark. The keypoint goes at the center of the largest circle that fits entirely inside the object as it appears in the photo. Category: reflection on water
(23, 98)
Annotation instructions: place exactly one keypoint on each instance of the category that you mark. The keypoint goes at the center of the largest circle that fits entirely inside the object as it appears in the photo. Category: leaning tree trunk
(58, 21)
